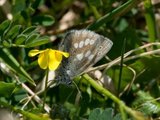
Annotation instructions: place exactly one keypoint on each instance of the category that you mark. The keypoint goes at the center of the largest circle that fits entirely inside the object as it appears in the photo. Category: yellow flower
(48, 58)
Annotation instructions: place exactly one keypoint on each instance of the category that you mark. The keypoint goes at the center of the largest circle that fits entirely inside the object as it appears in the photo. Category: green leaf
(31, 38)
(4, 26)
(13, 32)
(146, 103)
(19, 5)
(6, 89)
(127, 76)
(95, 114)
(106, 114)
(117, 117)
(29, 30)
(13, 63)
(20, 39)
(38, 42)
(45, 20)
(6, 43)
(150, 108)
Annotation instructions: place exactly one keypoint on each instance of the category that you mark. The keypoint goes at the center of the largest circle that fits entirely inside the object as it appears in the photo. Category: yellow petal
(35, 52)
(63, 53)
(54, 59)
(66, 54)
(43, 59)
(49, 58)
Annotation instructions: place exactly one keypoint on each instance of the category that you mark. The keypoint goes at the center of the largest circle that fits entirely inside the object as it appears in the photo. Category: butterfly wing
(85, 48)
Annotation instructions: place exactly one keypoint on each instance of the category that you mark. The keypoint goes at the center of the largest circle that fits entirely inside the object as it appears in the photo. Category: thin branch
(117, 60)
(35, 97)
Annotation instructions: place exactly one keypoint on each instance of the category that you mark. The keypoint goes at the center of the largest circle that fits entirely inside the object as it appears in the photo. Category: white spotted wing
(85, 48)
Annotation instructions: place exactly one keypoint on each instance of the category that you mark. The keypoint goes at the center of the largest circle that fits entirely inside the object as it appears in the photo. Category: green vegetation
(132, 64)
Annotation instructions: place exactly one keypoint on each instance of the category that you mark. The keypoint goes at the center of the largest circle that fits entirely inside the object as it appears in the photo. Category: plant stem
(45, 88)
(29, 115)
(150, 20)
(95, 11)
(105, 92)
(121, 65)
(123, 115)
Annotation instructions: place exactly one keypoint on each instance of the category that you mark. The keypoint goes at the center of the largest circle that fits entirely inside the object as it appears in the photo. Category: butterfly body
(85, 48)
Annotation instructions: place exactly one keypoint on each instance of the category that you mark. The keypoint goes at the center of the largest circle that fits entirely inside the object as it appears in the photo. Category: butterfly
(85, 48)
